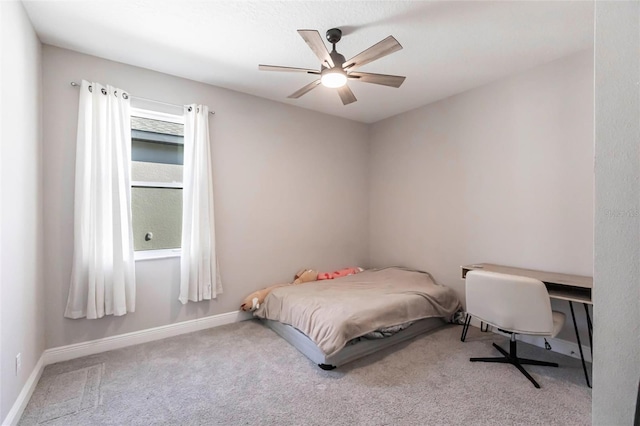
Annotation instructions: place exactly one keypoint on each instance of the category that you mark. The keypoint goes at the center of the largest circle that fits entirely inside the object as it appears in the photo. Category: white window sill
(156, 254)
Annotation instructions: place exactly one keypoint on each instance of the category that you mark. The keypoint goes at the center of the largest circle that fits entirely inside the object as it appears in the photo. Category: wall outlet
(18, 363)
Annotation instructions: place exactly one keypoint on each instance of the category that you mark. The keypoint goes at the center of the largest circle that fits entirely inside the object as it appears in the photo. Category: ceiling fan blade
(313, 39)
(382, 79)
(346, 95)
(377, 51)
(286, 69)
(305, 89)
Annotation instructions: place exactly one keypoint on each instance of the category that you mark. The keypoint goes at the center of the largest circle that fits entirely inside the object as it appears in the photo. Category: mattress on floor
(333, 312)
(352, 351)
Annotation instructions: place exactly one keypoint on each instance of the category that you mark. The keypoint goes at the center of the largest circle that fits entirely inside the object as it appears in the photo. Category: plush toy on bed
(338, 274)
(305, 275)
(255, 299)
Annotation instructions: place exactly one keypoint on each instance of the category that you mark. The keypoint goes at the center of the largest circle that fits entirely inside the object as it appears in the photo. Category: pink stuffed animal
(337, 274)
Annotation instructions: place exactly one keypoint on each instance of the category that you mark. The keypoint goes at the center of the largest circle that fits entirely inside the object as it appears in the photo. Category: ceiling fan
(335, 70)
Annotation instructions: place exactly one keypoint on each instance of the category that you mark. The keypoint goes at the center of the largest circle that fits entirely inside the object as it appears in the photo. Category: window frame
(141, 255)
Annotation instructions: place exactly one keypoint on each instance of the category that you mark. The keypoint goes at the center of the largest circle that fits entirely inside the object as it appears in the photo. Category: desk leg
(589, 327)
(575, 326)
(465, 328)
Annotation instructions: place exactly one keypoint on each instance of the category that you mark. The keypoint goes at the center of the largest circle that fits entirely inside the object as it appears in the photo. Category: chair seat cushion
(558, 322)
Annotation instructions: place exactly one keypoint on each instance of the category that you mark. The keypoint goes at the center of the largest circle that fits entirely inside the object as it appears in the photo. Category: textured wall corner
(616, 370)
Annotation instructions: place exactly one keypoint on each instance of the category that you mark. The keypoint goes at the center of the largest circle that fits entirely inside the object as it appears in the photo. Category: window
(157, 158)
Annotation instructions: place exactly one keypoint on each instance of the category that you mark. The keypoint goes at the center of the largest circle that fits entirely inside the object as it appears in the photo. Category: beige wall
(21, 277)
(616, 368)
(291, 185)
(290, 188)
(500, 174)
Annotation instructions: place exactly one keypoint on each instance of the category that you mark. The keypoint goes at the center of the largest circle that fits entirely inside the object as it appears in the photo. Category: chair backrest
(510, 302)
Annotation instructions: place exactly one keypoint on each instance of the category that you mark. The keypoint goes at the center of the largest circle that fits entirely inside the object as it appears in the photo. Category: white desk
(572, 288)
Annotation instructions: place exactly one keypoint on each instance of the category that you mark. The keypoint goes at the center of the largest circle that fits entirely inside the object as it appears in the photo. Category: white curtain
(103, 277)
(200, 275)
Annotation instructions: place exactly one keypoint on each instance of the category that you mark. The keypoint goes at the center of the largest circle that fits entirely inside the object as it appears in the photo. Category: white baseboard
(560, 346)
(77, 350)
(25, 395)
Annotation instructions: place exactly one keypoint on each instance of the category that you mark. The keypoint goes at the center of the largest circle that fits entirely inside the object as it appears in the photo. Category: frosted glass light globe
(334, 78)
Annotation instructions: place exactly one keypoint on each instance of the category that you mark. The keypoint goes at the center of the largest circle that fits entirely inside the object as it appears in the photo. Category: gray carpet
(244, 374)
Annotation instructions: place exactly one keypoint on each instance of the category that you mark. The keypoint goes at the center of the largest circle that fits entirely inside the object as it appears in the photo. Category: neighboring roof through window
(156, 126)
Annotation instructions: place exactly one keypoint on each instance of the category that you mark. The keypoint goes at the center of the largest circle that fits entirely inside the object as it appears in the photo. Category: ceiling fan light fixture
(333, 78)
(335, 70)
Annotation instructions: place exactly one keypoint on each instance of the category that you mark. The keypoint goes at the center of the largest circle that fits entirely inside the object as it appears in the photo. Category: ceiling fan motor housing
(338, 59)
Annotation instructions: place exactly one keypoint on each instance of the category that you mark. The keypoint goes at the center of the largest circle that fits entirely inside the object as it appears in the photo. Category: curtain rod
(74, 84)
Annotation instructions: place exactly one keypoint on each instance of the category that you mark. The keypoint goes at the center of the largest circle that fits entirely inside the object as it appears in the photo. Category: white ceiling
(449, 47)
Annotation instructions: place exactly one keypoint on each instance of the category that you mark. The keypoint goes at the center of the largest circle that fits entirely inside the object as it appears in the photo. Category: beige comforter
(332, 312)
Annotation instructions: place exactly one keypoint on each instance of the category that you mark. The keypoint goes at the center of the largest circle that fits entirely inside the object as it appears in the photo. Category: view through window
(157, 155)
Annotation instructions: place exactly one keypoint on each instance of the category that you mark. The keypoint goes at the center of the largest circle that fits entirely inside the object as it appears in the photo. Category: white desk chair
(515, 305)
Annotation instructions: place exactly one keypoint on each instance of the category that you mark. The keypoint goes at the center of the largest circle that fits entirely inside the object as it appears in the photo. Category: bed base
(353, 351)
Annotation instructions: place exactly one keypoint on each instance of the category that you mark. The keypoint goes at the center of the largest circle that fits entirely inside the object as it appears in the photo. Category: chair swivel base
(512, 358)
